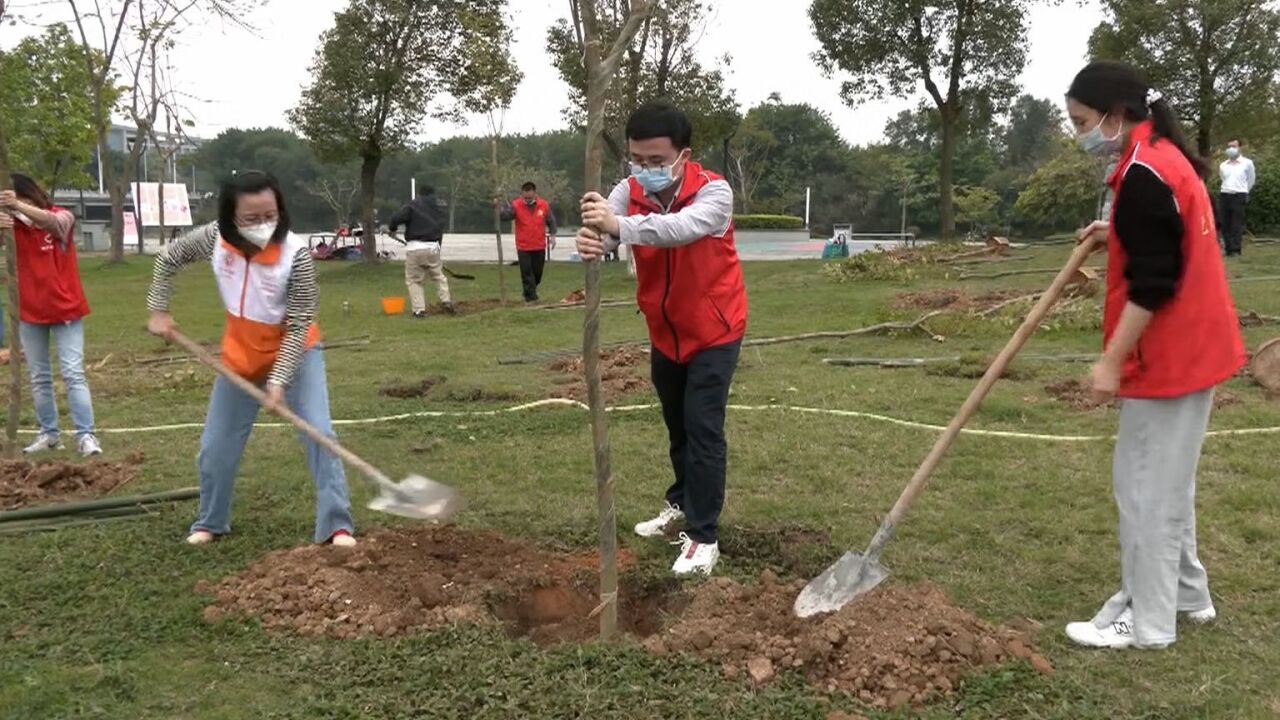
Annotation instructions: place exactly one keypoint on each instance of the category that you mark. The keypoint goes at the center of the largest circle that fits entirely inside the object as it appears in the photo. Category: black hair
(528, 186)
(658, 120)
(25, 187)
(425, 190)
(249, 182)
(1116, 87)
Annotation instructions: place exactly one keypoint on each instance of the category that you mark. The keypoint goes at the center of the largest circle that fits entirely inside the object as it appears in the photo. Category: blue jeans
(226, 430)
(69, 338)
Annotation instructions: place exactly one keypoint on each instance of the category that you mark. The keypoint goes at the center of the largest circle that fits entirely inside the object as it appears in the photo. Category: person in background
(268, 286)
(535, 231)
(1238, 178)
(52, 307)
(1170, 336)
(677, 219)
(423, 225)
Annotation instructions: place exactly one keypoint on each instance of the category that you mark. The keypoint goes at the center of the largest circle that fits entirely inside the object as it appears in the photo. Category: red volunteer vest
(531, 224)
(1193, 343)
(48, 277)
(692, 296)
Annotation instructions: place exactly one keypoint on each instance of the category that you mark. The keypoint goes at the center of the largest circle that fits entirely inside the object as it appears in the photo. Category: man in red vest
(535, 229)
(677, 218)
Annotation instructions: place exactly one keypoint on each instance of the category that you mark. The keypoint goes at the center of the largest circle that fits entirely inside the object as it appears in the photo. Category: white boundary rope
(574, 404)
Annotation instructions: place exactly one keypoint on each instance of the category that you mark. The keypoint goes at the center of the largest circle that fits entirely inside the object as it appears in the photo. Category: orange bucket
(393, 305)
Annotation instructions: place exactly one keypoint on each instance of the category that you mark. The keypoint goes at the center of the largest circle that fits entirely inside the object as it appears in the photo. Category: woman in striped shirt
(268, 286)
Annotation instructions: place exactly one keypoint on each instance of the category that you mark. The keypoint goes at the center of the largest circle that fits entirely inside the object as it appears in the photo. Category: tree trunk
(946, 175)
(497, 221)
(368, 176)
(115, 189)
(160, 199)
(15, 346)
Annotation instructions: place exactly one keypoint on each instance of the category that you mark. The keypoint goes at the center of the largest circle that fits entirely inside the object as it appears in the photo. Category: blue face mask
(1099, 145)
(1233, 152)
(654, 180)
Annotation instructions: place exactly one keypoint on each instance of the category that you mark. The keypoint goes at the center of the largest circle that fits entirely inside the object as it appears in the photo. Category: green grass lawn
(102, 622)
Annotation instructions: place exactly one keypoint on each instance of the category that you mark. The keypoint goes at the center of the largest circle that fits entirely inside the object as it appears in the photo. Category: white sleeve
(1250, 176)
(709, 214)
(619, 201)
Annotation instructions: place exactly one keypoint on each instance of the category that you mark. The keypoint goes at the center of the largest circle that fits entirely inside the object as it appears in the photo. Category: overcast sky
(245, 81)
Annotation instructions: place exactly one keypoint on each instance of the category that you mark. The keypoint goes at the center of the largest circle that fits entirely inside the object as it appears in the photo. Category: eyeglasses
(251, 220)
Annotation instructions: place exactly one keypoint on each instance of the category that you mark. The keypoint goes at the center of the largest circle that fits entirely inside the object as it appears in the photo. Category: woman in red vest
(1171, 335)
(52, 306)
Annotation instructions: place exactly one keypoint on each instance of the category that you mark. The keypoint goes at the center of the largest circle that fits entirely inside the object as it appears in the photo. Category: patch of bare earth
(952, 299)
(24, 483)
(623, 371)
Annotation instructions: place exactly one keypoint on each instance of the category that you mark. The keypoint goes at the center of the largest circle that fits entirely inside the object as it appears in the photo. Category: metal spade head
(850, 576)
(418, 498)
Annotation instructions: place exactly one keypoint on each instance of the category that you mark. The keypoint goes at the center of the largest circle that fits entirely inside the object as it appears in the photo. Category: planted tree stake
(600, 71)
(15, 346)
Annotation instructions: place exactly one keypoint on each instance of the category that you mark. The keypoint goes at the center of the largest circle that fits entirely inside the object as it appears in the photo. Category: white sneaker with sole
(88, 446)
(657, 527)
(1202, 617)
(45, 441)
(1117, 636)
(201, 537)
(342, 538)
(695, 557)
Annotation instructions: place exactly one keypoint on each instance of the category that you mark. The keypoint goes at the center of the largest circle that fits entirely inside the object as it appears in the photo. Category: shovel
(857, 573)
(414, 497)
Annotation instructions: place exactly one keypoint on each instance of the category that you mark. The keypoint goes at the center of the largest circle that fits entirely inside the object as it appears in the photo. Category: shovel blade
(419, 498)
(850, 576)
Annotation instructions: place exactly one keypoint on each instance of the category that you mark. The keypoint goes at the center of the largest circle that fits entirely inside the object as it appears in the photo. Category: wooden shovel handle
(282, 410)
(979, 393)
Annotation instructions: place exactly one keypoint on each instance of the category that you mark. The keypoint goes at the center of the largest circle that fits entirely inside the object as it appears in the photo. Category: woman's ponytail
(1168, 127)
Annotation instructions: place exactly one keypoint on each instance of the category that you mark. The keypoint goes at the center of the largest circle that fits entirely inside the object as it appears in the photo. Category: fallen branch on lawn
(335, 345)
(566, 306)
(899, 363)
(1259, 278)
(1032, 271)
(1253, 319)
(994, 260)
(916, 325)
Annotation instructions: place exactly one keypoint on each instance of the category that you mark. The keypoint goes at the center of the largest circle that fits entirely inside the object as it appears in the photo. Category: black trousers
(693, 397)
(1233, 206)
(531, 264)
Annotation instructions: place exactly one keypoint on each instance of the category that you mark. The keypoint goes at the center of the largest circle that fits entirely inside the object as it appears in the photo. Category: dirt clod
(760, 669)
(419, 389)
(23, 483)
(623, 371)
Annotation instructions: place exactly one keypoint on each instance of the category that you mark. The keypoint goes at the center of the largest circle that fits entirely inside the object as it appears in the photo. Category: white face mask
(259, 235)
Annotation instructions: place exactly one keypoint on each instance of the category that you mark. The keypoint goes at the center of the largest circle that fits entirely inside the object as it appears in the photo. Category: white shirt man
(1238, 178)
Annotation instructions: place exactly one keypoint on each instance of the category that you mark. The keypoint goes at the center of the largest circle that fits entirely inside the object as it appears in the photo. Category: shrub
(768, 222)
(1264, 202)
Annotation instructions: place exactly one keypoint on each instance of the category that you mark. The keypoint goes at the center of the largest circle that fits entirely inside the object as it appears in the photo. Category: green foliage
(47, 108)
(1264, 202)
(977, 207)
(768, 222)
(1216, 59)
(782, 148)
(1062, 193)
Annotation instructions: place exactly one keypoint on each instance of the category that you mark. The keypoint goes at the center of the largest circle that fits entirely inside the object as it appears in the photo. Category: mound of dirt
(1076, 395)
(952, 299)
(23, 483)
(413, 580)
(893, 646)
(623, 370)
(896, 645)
(419, 389)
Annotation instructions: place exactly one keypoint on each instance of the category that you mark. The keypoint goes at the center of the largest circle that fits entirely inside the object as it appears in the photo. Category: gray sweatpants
(1154, 475)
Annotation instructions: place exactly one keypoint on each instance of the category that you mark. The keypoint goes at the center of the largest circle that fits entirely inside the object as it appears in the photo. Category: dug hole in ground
(898, 645)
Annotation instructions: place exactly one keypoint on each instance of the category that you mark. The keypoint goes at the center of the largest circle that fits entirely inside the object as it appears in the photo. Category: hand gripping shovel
(857, 573)
(414, 497)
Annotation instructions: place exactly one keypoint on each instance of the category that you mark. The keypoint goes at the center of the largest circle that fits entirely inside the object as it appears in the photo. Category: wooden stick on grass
(600, 71)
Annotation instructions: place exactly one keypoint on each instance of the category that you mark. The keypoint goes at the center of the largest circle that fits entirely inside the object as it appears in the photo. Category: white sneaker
(201, 537)
(342, 538)
(45, 441)
(657, 527)
(1117, 636)
(1202, 617)
(695, 557)
(88, 446)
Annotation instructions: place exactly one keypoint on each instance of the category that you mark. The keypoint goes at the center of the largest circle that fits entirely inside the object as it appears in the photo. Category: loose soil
(23, 483)
(467, 307)
(574, 298)
(952, 299)
(894, 646)
(623, 371)
(1076, 395)
(475, 394)
(419, 389)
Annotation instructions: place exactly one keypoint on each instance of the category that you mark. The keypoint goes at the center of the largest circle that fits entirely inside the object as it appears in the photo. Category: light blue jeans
(226, 430)
(69, 338)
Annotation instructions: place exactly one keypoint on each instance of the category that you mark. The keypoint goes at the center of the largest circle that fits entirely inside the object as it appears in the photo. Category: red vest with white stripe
(49, 289)
(1193, 342)
(692, 296)
(256, 295)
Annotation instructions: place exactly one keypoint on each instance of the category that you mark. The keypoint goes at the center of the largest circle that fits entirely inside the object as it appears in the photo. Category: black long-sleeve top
(1150, 229)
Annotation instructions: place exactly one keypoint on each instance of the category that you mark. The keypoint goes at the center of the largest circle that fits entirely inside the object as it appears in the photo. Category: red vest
(48, 276)
(1193, 342)
(531, 224)
(692, 296)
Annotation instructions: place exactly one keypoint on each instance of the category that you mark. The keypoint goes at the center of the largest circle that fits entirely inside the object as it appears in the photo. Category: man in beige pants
(423, 232)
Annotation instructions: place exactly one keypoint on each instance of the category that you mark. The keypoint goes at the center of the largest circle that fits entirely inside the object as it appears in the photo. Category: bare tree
(338, 192)
(600, 69)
